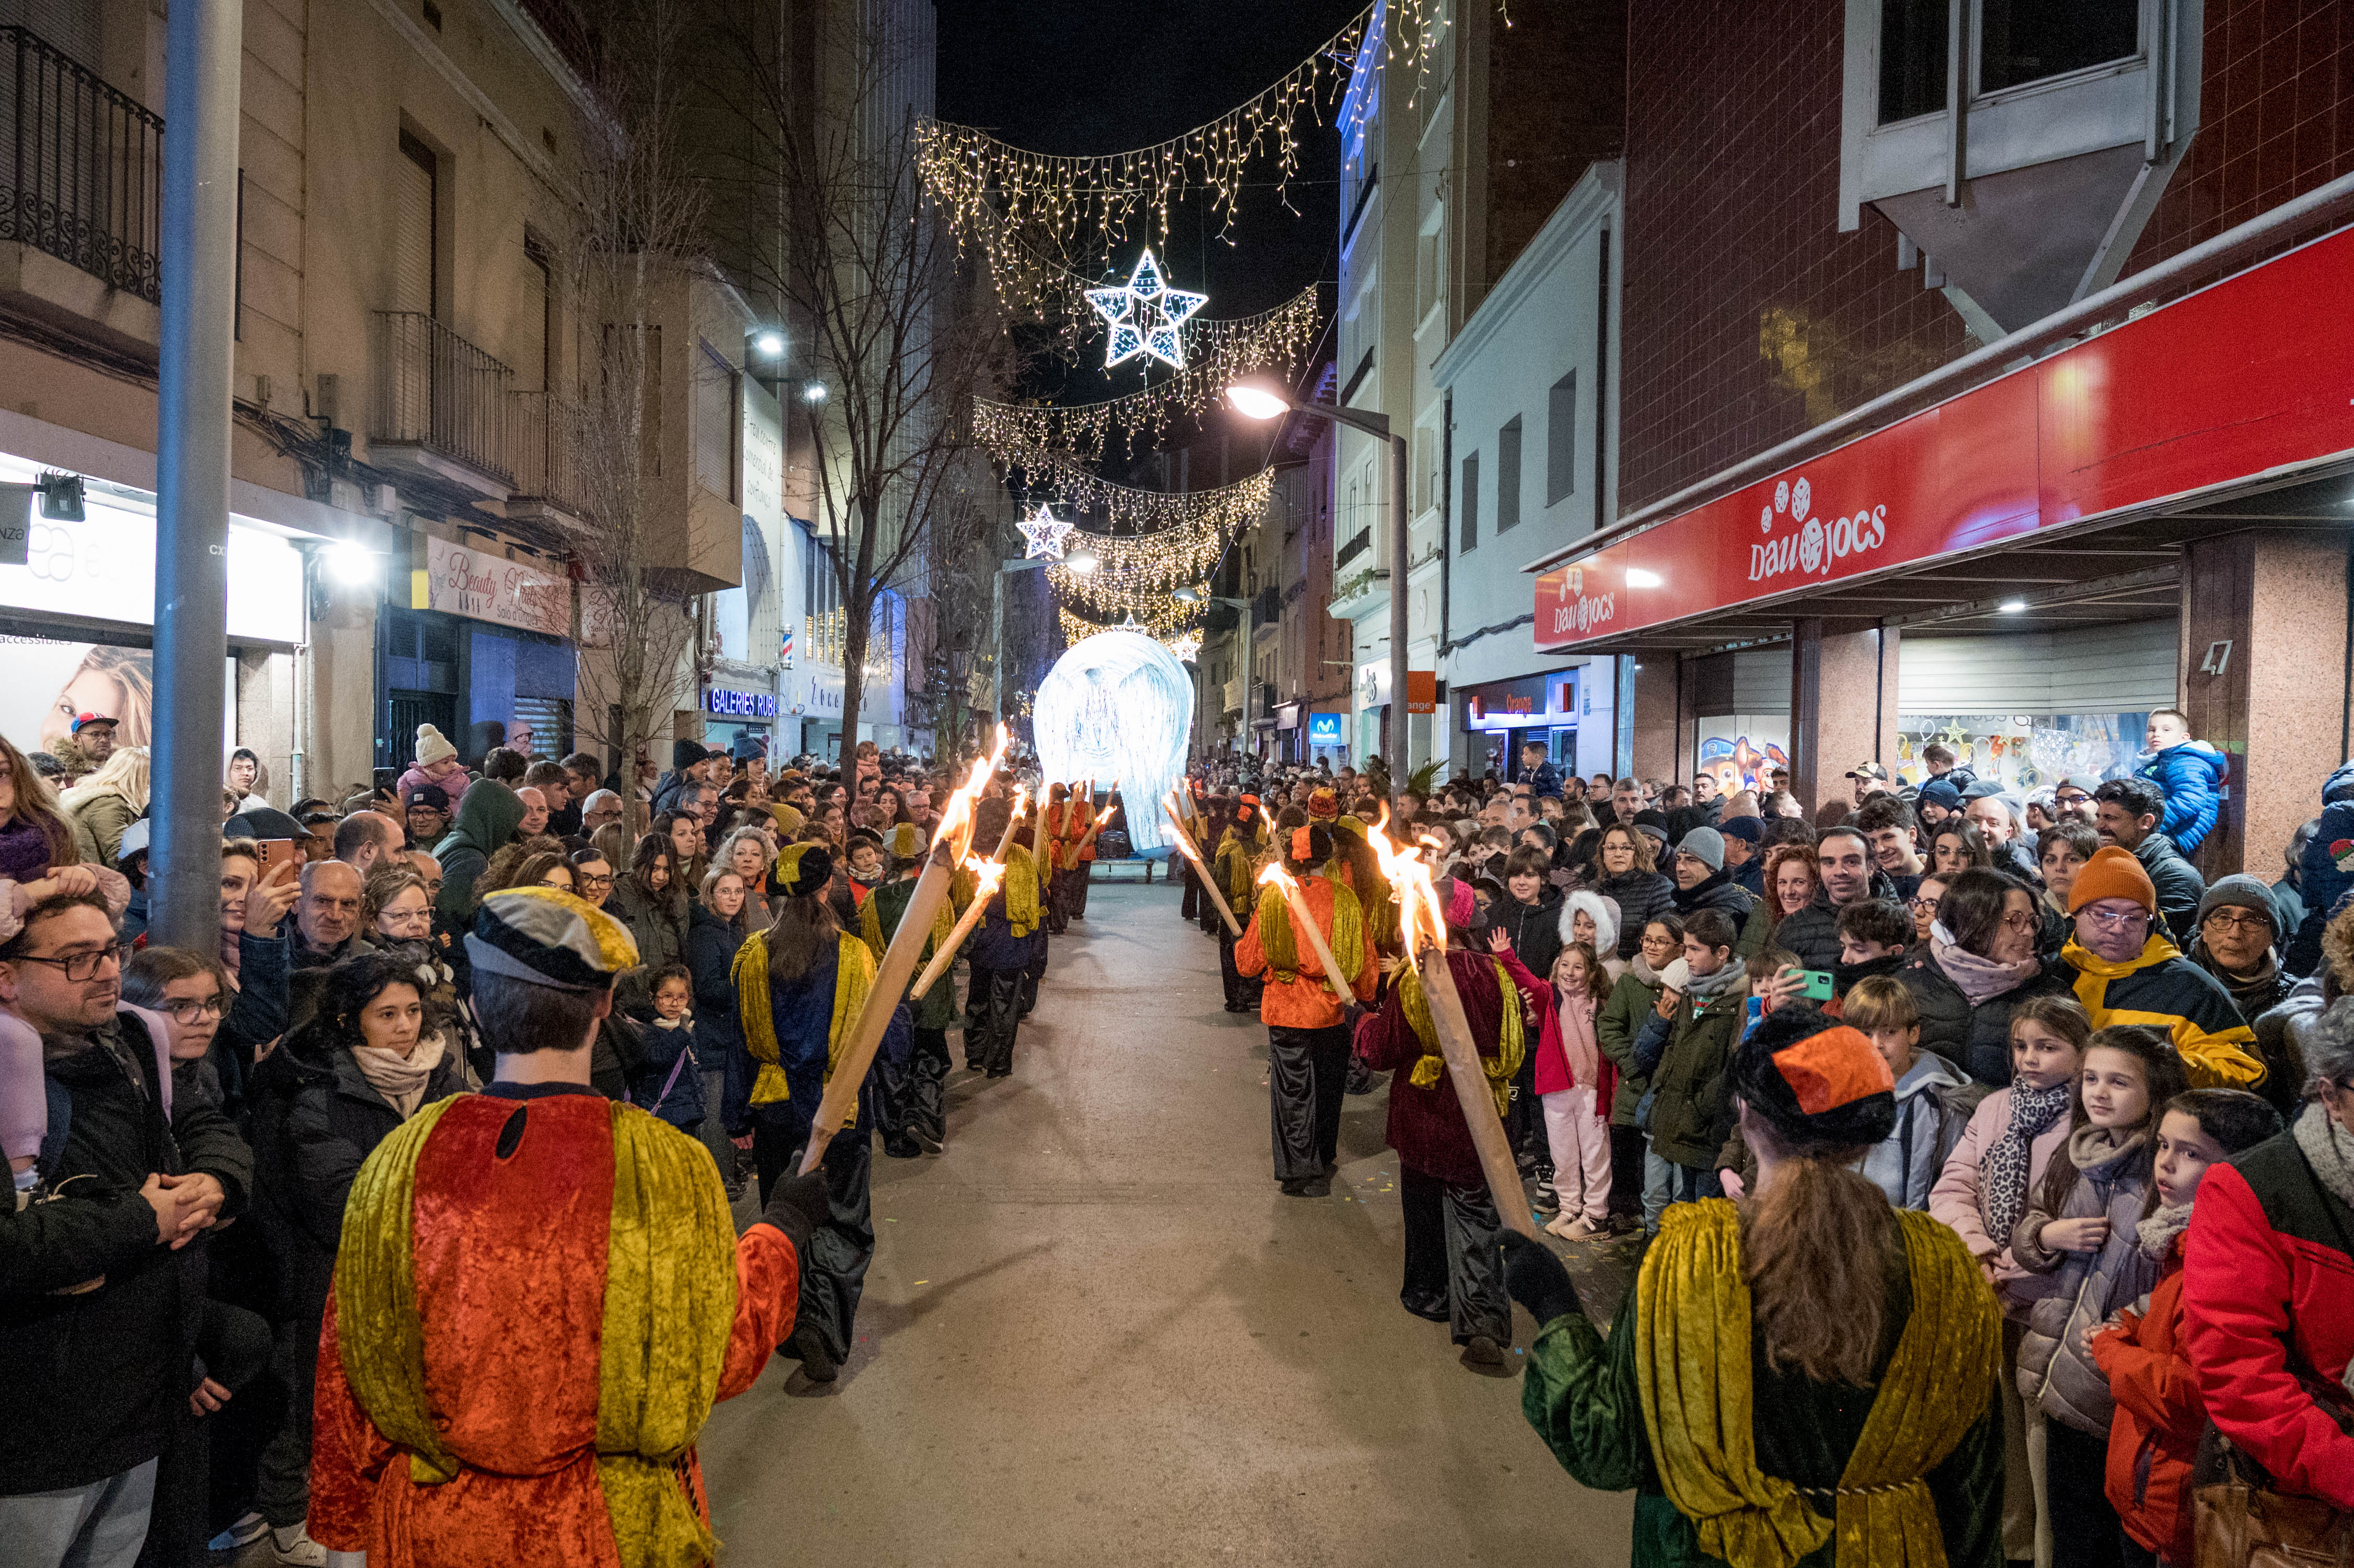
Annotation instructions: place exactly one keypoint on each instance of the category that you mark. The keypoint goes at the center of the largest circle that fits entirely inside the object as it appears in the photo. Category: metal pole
(1400, 746)
(192, 466)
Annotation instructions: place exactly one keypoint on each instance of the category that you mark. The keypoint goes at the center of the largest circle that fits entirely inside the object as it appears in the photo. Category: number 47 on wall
(2218, 654)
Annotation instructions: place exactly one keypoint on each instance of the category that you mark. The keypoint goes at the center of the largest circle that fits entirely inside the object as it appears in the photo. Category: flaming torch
(1201, 870)
(1303, 922)
(1421, 922)
(952, 841)
(988, 874)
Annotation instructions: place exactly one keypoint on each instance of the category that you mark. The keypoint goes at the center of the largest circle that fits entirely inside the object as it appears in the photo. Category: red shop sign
(2253, 374)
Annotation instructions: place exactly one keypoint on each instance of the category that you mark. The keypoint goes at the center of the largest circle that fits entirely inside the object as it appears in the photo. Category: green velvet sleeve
(1579, 1394)
(1967, 1488)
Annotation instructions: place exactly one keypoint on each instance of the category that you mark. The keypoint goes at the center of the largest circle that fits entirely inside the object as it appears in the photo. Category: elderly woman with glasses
(1979, 964)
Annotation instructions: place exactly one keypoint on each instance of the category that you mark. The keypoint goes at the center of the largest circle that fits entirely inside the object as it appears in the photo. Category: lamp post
(1259, 398)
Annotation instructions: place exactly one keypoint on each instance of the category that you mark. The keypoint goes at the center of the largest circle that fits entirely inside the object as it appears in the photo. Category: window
(416, 237)
(1430, 266)
(533, 371)
(717, 424)
(2021, 41)
(1912, 59)
(1471, 503)
(1507, 474)
(1561, 439)
(1426, 476)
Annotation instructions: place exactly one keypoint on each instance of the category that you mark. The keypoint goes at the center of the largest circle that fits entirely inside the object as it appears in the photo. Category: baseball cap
(83, 721)
(1869, 770)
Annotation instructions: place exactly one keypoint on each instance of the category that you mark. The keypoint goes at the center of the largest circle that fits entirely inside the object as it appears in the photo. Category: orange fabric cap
(2112, 873)
(1835, 1067)
(1302, 845)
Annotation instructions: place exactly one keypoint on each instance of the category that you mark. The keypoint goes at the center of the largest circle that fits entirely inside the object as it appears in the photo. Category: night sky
(1057, 76)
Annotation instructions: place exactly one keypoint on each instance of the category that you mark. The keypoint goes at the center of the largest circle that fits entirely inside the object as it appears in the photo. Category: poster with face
(49, 683)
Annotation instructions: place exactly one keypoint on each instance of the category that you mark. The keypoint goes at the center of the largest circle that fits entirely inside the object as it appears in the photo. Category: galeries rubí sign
(2248, 377)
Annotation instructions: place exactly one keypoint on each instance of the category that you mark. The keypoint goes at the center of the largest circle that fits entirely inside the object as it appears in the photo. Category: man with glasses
(2071, 800)
(2127, 973)
(2127, 812)
(602, 809)
(98, 1353)
(2238, 931)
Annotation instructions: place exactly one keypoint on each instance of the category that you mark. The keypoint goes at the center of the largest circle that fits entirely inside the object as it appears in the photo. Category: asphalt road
(1095, 1333)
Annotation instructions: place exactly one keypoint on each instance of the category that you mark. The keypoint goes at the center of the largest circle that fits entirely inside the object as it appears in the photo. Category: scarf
(853, 976)
(2159, 1230)
(1693, 1366)
(25, 851)
(1280, 943)
(2326, 1149)
(1578, 1045)
(1511, 1041)
(1978, 979)
(670, 1307)
(1703, 990)
(2003, 1172)
(1640, 968)
(2098, 1151)
(401, 1080)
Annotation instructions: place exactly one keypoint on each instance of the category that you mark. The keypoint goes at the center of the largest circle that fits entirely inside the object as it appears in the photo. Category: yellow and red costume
(536, 1301)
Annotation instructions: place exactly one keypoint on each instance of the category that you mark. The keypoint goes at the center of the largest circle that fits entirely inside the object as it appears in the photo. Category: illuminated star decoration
(1045, 534)
(1187, 648)
(1144, 316)
(1131, 624)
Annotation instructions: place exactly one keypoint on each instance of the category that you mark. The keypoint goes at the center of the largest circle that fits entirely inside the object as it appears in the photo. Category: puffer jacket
(2266, 1266)
(1975, 1039)
(97, 823)
(1534, 929)
(2192, 776)
(2319, 881)
(2057, 1373)
(1642, 896)
(1631, 1000)
(1957, 1200)
(2161, 988)
(1717, 891)
(1813, 932)
(2160, 1416)
(665, 1044)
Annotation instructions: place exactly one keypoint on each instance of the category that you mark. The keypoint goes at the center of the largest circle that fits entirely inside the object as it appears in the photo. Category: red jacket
(2265, 1265)
(2160, 1417)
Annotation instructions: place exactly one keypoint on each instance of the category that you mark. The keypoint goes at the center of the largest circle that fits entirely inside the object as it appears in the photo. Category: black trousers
(1074, 901)
(913, 1098)
(1190, 907)
(834, 1270)
(233, 1348)
(1452, 1267)
(1626, 1169)
(2084, 1528)
(1056, 911)
(995, 998)
(1242, 991)
(1307, 1074)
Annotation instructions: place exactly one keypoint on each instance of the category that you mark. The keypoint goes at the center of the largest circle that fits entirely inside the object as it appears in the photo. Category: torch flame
(956, 816)
(1276, 876)
(1419, 910)
(987, 873)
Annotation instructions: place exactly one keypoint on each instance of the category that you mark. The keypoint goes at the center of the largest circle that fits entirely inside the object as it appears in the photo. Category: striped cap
(545, 936)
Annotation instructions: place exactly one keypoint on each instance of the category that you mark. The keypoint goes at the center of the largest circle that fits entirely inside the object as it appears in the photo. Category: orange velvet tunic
(510, 1263)
(1302, 1002)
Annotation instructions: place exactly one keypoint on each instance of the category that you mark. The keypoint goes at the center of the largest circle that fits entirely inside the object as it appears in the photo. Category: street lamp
(1260, 398)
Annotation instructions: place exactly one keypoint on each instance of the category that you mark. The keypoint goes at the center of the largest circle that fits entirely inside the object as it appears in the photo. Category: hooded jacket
(1934, 1102)
(2192, 776)
(2161, 988)
(1534, 929)
(2320, 882)
(486, 820)
(1642, 896)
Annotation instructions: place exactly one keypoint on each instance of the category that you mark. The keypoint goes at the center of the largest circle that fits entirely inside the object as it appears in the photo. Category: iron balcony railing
(540, 436)
(84, 165)
(436, 391)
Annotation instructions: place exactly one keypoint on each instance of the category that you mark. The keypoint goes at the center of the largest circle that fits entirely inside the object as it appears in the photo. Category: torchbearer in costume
(1060, 808)
(1803, 1379)
(1076, 843)
(538, 1295)
(1452, 1275)
(1307, 1016)
(1033, 968)
(1001, 948)
(911, 1112)
(1235, 865)
(801, 986)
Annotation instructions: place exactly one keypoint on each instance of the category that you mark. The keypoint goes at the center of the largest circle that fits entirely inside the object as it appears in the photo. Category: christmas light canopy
(1044, 535)
(1144, 315)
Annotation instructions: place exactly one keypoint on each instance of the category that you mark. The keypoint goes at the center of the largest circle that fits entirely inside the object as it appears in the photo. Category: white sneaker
(1570, 1229)
(292, 1547)
(247, 1528)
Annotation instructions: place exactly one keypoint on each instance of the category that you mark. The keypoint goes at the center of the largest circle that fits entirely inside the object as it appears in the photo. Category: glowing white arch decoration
(1118, 705)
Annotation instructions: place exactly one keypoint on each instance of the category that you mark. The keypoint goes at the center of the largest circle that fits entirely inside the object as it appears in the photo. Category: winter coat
(2321, 883)
(2255, 996)
(307, 967)
(1957, 1201)
(1717, 891)
(2269, 1264)
(2192, 776)
(1976, 1039)
(658, 922)
(96, 1380)
(1551, 1071)
(487, 818)
(452, 784)
(664, 1044)
(1812, 933)
(2159, 1416)
(2161, 988)
(1534, 929)
(1642, 896)
(315, 1118)
(2180, 886)
(711, 947)
(1426, 1121)
(2056, 1371)
(1625, 1011)
(97, 823)
(1692, 1110)
(1934, 1103)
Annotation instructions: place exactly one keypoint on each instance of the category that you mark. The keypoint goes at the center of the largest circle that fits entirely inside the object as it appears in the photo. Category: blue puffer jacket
(2191, 774)
(2324, 886)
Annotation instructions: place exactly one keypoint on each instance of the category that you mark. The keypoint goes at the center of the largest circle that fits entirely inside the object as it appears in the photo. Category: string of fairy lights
(1049, 227)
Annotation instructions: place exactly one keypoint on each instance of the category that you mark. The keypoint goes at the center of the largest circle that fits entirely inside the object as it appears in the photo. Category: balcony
(540, 436)
(440, 407)
(82, 217)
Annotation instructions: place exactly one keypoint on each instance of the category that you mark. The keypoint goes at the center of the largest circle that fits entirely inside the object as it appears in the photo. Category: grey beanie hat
(2242, 892)
(1705, 845)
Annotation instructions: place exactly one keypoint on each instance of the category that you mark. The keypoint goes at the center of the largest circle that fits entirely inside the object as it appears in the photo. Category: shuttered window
(536, 327)
(2126, 668)
(414, 242)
